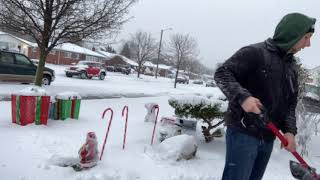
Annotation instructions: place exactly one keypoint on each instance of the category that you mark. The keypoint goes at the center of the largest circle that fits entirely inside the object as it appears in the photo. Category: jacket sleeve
(236, 68)
(290, 121)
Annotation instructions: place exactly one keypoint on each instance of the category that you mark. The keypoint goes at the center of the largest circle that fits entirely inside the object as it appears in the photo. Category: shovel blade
(300, 172)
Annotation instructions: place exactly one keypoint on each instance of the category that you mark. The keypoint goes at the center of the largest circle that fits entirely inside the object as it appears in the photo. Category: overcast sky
(222, 26)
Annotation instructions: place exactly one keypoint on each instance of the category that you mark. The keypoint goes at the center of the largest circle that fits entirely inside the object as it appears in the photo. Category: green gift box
(67, 106)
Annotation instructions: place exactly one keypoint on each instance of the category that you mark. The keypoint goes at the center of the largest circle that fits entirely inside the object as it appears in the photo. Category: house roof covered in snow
(64, 47)
(149, 64)
(129, 61)
(160, 66)
(77, 49)
(19, 39)
(163, 66)
(106, 54)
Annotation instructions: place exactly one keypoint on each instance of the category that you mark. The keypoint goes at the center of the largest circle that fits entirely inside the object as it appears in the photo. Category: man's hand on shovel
(291, 147)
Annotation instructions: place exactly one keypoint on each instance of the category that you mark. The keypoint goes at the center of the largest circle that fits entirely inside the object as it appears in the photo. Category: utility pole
(159, 51)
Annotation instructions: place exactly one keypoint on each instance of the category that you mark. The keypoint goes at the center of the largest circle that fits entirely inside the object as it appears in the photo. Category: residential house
(106, 54)
(165, 70)
(66, 53)
(14, 43)
(121, 60)
(149, 68)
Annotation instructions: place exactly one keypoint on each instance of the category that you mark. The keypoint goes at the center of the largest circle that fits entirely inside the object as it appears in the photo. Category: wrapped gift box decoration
(30, 105)
(67, 105)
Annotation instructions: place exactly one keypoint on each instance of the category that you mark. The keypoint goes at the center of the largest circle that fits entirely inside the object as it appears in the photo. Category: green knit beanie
(291, 29)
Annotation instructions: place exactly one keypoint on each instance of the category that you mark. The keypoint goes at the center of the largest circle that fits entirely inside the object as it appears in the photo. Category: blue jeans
(246, 157)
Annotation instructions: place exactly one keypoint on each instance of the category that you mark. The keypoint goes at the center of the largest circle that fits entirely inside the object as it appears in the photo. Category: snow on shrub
(201, 108)
(177, 148)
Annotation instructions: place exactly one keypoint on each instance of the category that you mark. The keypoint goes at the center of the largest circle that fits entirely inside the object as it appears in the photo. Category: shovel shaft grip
(275, 130)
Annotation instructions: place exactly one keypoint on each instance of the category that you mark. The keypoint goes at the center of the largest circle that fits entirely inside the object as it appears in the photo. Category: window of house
(68, 54)
(91, 58)
(75, 55)
(34, 49)
(53, 52)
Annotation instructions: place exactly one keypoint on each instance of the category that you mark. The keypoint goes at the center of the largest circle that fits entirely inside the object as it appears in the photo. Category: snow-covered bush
(178, 148)
(201, 108)
(306, 120)
(168, 128)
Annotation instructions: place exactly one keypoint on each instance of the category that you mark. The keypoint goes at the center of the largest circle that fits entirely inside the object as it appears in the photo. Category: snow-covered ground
(31, 152)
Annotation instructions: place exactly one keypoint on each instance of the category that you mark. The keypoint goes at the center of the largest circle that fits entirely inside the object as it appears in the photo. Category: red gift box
(30, 109)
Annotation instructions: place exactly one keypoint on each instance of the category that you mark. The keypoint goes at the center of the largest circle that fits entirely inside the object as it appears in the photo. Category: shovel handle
(275, 130)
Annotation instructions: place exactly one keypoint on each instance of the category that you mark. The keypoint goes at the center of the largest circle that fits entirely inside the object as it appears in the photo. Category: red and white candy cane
(125, 128)
(155, 123)
(110, 120)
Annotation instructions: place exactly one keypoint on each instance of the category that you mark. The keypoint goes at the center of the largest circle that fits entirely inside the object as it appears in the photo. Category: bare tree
(181, 48)
(143, 48)
(52, 22)
(126, 51)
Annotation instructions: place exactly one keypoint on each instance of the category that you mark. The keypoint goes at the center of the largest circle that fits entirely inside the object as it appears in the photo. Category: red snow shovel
(301, 170)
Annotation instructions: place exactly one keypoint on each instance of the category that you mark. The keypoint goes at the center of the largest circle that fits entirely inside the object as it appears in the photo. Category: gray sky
(222, 26)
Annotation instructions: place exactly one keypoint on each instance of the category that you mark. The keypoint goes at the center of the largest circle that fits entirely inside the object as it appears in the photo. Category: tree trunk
(175, 80)
(139, 69)
(39, 74)
(206, 130)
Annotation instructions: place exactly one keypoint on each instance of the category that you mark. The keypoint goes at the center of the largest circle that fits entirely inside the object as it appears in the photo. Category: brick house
(121, 60)
(66, 53)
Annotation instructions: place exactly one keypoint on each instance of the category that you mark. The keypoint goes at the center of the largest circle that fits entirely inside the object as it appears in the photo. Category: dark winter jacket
(264, 72)
(268, 72)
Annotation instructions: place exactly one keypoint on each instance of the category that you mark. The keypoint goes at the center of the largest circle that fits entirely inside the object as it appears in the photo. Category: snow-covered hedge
(201, 108)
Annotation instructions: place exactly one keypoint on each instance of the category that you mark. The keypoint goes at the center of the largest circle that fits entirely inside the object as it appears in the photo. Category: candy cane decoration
(155, 123)
(125, 128)
(110, 120)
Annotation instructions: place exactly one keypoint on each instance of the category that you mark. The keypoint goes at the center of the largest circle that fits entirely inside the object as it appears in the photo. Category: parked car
(35, 61)
(211, 84)
(123, 69)
(87, 70)
(183, 79)
(198, 81)
(109, 68)
(17, 67)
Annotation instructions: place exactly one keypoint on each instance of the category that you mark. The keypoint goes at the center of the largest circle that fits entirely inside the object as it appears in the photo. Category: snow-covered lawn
(31, 152)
